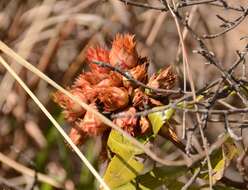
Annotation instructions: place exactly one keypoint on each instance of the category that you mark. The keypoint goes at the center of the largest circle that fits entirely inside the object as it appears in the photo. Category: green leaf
(158, 119)
(122, 146)
(128, 186)
(229, 150)
(218, 187)
(190, 104)
(219, 168)
(160, 176)
(244, 89)
(221, 159)
(132, 186)
(122, 169)
(45, 186)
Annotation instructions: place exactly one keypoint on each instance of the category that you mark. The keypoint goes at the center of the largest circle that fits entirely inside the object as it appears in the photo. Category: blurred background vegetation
(53, 36)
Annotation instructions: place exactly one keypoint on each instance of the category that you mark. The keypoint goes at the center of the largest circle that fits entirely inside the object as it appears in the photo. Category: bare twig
(234, 24)
(192, 179)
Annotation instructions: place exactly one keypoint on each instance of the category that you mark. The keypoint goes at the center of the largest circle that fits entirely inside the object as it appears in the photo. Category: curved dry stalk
(79, 7)
(25, 46)
(55, 123)
(104, 119)
(80, 18)
(27, 171)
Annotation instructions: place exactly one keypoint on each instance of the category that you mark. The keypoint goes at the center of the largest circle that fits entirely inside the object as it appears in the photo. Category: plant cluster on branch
(109, 92)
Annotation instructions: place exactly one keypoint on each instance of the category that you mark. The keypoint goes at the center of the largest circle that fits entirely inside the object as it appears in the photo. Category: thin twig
(180, 5)
(192, 179)
(236, 23)
(133, 80)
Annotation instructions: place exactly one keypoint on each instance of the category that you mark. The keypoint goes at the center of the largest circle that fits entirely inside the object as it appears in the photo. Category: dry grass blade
(25, 46)
(27, 171)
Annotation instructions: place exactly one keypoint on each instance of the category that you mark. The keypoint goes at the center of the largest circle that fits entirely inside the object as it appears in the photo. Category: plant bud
(113, 80)
(98, 54)
(123, 53)
(81, 82)
(142, 101)
(144, 125)
(76, 136)
(139, 73)
(72, 110)
(165, 79)
(91, 124)
(113, 98)
(129, 124)
(89, 78)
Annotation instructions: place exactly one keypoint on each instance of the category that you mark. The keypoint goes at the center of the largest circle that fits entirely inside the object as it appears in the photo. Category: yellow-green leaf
(122, 146)
(229, 150)
(221, 159)
(158, 119)
(121, 170)
(128, 186)
(162, 176)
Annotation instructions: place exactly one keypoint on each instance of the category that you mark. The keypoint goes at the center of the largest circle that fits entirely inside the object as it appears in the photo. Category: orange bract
(113, 98)
(138, 73)
(129, 124)
(144, 125)
(98, 54)
(90, 124)
(165, 79)
(72, 110)
(126, 42)
(77, 136)
(123, 52)
(113, 79)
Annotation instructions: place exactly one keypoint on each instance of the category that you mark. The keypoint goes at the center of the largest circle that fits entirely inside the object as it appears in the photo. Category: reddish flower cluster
(107, 90)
